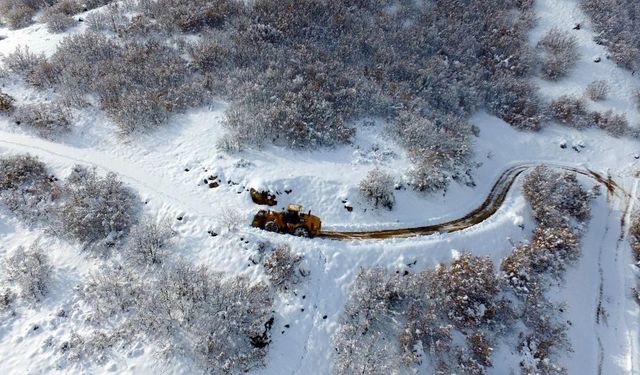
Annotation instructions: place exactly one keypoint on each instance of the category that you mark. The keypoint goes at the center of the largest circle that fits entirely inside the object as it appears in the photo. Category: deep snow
(154, 164)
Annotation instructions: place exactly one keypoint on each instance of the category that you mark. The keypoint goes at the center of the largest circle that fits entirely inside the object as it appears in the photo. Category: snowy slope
(603, 316)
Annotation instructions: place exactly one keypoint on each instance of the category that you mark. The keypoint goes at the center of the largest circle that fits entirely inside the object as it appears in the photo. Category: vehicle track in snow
(495, 199)
(489, 206)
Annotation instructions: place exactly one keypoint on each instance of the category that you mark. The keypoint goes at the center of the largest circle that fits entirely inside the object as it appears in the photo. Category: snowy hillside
(163, 271)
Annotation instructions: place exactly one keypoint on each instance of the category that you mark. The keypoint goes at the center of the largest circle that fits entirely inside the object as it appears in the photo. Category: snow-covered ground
(167, 167)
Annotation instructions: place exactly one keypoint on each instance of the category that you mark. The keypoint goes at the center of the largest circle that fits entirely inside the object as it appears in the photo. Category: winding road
(139, 179)
(491, 204)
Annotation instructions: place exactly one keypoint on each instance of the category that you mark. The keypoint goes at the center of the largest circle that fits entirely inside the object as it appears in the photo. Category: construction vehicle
(291, 221)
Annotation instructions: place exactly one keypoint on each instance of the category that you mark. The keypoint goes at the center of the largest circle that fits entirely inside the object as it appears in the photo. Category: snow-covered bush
(282, 267)
(597, 90)
(57, 21)
(440, 149)
(190, 16)
(47, 119)
(220, 323)
(30, 271)
(149, 242)
(613, 123)
(570, 111)
(6, 103)
(7, 298)
(377, 188)
(557, 199)
(367, 340)
(634, 233)
(512, 100)
(139, 83)
(389, 315)
(112, 291)
(561, 53)
(19, 13)
(544, 339)
(22, 61)
(27, 188)
(97, 209)
(547, 255)
(617, 29)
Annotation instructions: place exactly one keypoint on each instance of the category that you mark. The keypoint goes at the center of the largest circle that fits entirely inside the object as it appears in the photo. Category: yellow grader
(291, 221)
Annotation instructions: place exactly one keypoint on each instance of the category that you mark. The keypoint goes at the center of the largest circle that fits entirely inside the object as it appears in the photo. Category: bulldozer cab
(294, 207)
(292, 214)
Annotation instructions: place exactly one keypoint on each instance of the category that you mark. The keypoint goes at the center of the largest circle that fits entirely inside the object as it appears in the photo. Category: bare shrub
(57, 21)
(231, 219)
(597, 90)
(7, 298)
(47, 119)
(98, 210)
(30, 270)
(27, 188)
(570, 111)
(283, 267)
(149, 242)
(634, 232)
(561, 53)
(17, 13)
(377, 188)
(613, 123)
(22, 61)
(113, 291)
(556, 198)
(6, 103)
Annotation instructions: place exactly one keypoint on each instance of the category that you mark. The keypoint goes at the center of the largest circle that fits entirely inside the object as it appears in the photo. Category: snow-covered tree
(97, 209)
(30, 270)
(377, 188)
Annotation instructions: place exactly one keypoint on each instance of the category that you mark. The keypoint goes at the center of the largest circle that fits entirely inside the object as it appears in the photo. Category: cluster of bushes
(96, 211)
(617, 27)
(56, 13)
(298, 73)
(138, 83)
(19, 13)
(221, 323)
(560, 53)
(556, 198)
(572, 111)
(453, 316)
(560, 207)
(388, 316)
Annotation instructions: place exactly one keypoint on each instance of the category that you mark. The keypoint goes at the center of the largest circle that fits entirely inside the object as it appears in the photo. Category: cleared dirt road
(491, 204)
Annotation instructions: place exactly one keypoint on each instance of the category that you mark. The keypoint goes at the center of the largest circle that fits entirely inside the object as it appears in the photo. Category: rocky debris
(263, 197)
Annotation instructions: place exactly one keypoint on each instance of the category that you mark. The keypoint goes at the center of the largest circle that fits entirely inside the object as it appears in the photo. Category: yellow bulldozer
(291, 221)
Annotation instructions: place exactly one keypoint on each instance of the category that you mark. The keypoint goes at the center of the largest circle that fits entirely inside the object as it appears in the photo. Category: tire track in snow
(100, 160)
